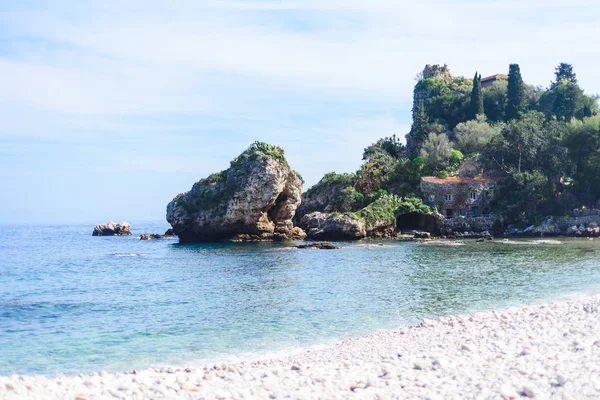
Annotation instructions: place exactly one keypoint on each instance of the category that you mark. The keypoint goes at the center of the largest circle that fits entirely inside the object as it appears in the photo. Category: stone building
(489, 80)
(455, 196)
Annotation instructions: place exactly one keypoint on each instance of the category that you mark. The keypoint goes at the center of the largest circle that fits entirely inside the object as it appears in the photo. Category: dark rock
(320, 246)
(112, 229)
(169, 232)
(153, 236)
(422, 235)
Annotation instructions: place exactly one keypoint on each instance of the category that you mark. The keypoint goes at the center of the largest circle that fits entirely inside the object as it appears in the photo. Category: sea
(73, 303)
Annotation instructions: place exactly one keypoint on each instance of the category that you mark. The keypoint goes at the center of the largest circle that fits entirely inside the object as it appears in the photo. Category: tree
(583, 144)
(494, 101)
(476, 107)
(565, 100)
(437, 151)
(526, 138)
(390, 145)
(564, 73)
(472, 136)
(519, 146)
(523, 195)
(516, 93)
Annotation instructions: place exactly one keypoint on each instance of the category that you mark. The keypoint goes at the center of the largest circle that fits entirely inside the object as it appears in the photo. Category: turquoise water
(70, 302)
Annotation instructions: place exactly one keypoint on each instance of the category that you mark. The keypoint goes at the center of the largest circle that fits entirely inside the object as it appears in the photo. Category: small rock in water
(320, 246)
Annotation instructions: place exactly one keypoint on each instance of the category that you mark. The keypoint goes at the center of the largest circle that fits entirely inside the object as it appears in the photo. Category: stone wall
(435, 193)
(469, 224)
(436, 71)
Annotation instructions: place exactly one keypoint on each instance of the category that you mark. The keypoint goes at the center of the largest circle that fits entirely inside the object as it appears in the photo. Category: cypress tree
(564, 73)
(516, 93)
(476, 97)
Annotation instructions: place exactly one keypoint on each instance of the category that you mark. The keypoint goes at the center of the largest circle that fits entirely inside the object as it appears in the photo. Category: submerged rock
(333, 226)
(112, 229)
(254, 199)
(320, 246)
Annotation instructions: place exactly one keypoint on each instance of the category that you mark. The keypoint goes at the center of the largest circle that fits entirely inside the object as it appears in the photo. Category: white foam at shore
(543, 351)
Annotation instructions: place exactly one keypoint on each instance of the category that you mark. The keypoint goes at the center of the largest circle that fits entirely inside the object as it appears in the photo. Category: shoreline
(544, 350)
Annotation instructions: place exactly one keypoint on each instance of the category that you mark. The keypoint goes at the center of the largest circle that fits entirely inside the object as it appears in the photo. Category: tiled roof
(493, 77)
(456, 179)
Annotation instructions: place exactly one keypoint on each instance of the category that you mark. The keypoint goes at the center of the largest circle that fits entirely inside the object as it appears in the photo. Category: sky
(108, 109)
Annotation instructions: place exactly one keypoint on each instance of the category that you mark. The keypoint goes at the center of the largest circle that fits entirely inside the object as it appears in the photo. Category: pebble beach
(543, 351)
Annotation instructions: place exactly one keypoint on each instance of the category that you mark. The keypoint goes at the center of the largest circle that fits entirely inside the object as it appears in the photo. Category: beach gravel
(547, 351)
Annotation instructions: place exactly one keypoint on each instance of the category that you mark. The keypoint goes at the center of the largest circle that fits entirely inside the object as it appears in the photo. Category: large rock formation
(321, 226)
(377, 220)
(112, 229)
(255, 199)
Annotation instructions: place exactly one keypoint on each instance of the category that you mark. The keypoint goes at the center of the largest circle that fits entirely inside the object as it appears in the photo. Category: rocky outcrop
(583, 226)
(333, 193)
(153, 236)
(254, 199)
(320, 226)
(112, 229)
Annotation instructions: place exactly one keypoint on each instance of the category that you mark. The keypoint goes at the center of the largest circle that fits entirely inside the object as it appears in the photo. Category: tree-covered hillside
(543, 143)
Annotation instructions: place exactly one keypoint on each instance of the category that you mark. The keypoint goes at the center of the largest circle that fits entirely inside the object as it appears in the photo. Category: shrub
(472, 136)
(330, 179)
(437, 151)
(260, 147)
(456, 157)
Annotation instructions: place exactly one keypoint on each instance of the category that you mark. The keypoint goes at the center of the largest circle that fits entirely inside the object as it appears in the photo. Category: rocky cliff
(254, 199)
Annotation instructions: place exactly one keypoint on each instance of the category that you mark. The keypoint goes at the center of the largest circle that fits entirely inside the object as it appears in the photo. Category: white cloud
(191, 57)
(189, 84)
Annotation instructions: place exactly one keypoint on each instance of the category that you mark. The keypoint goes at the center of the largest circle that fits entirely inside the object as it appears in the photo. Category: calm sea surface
(70, 302)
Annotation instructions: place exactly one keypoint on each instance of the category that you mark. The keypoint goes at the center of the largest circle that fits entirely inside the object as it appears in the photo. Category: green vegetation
(436, 151)
(330, 179)
(476, 107)
(386, 208)
(543, 144)
(515, 93)
(260, 147)
(472, 136)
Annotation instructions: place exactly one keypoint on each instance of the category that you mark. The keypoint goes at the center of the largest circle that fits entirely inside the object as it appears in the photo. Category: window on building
(473, 195)
(475, 211)
(461, 212)
(431, 198)
(448, 198)
(449, 213)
